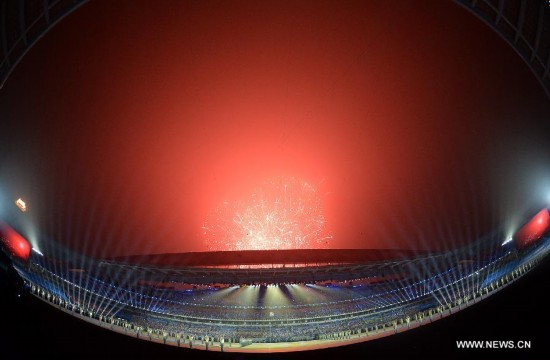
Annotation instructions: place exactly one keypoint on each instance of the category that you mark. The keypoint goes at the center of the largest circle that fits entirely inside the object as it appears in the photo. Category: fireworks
(284, 213)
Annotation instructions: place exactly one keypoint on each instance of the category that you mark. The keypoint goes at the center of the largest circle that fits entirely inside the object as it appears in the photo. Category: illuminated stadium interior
(231, 188)
(256, 303)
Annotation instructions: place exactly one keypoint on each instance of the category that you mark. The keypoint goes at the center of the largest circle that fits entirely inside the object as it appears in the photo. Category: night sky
(132, 123)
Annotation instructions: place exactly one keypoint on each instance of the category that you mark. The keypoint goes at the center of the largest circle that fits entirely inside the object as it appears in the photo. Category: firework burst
(283, 213)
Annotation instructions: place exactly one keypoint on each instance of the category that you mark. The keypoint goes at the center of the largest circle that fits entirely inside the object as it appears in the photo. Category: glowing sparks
(21, 204)
(284, 213)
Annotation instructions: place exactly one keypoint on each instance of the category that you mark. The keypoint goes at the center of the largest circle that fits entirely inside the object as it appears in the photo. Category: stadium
(278, 300)
(270, 276)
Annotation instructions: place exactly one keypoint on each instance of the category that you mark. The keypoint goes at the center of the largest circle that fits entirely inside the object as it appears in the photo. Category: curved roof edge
(524, 25)
(23, 23)
(268, 257)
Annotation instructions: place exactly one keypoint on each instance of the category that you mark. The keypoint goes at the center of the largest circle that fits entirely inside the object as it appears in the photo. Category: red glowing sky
(143, 117)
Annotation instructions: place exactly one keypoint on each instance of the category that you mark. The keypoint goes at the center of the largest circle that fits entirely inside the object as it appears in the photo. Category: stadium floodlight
(21, 205)
(508, 239)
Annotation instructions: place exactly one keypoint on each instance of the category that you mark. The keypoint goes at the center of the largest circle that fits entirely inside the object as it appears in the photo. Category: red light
(14, 243)
(533, 230)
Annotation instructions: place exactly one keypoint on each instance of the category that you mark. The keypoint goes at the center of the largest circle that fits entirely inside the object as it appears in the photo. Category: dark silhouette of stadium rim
(262, 266)
(269, 258)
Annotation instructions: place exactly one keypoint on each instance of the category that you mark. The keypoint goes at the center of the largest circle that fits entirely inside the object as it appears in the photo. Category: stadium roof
(269, 257)
(245, 267)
